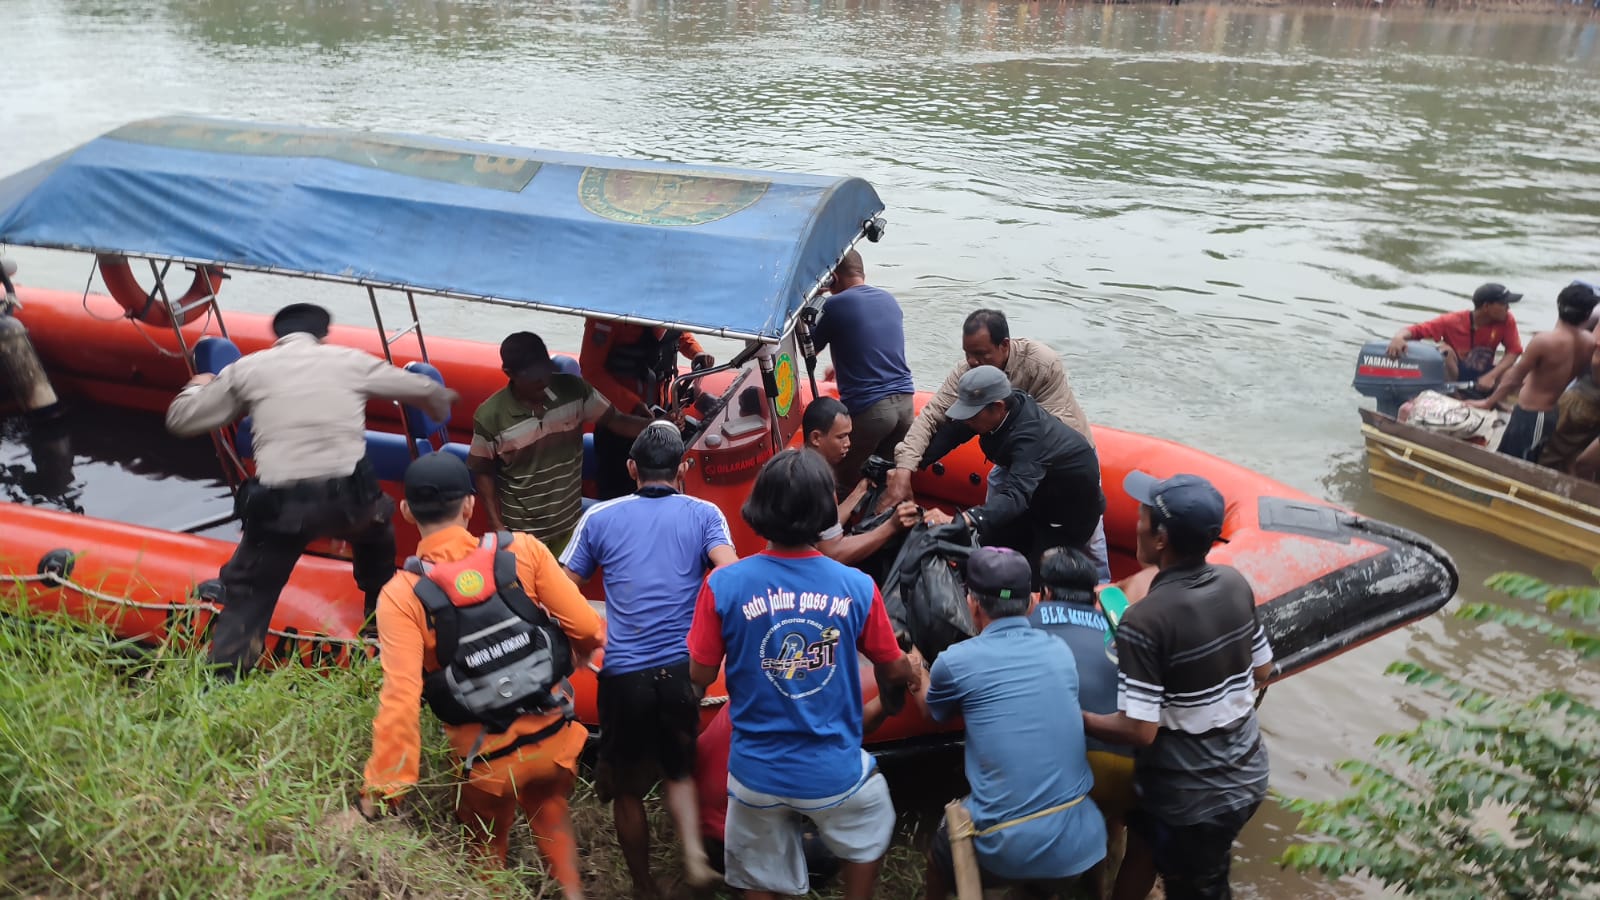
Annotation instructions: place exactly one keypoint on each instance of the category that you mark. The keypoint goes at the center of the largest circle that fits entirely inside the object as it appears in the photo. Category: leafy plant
(1499, 797)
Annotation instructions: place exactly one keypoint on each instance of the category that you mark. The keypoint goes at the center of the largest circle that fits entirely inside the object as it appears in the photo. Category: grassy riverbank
(128, 774)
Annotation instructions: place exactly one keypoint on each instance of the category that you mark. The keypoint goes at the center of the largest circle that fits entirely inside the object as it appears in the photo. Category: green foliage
(1500, 797)
(130, 773)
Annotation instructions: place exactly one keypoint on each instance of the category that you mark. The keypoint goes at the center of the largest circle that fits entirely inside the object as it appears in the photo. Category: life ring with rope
(146, 306)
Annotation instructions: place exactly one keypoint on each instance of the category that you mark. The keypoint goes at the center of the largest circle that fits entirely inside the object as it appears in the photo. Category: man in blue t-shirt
(654, 547)
(789, 622)
(866, 329)
(1017, 689)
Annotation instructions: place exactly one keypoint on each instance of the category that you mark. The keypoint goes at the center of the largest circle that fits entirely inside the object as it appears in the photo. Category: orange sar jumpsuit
(613, 360)
(537, 777)
(626, 393)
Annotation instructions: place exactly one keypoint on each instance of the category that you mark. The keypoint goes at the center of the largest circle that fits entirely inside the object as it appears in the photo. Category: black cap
(1493, 293)
(1182, 503)
(999, 572)
(437, 478)
(525, 354)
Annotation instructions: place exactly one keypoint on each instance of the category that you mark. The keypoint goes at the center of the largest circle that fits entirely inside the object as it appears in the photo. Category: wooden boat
(751, 248)
(1538, 508)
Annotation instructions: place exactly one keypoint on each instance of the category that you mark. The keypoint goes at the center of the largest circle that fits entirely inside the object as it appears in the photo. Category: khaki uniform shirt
(308, 403)
(1033, 368)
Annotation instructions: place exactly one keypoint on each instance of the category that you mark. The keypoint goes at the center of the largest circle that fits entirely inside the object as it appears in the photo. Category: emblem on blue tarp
(665, 198)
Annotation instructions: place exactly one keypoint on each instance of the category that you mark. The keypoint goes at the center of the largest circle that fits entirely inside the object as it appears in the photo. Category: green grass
(133, 774)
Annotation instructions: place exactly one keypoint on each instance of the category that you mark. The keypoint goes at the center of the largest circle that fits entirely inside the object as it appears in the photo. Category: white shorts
(763, 831)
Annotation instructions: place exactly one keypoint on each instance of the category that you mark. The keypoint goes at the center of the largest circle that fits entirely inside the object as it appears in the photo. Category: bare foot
(698, 873)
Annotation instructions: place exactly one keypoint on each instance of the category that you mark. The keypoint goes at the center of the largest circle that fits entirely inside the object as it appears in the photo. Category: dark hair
(792, 501)
(821, 415)
(436, 512)
(1001, 607)
(1575, 302)
(1069, 575)
(657, 452)
(991, 321)
(302, 318)
(850, 265)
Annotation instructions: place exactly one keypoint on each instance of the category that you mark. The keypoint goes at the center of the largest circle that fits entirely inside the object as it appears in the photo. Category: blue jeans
(1097, 543)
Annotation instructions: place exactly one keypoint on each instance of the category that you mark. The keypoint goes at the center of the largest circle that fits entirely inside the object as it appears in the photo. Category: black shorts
(649, 721)
(1527, 432)
(1193, 860)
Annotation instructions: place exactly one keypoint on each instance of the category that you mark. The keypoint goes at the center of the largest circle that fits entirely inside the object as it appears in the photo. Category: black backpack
(500, 655)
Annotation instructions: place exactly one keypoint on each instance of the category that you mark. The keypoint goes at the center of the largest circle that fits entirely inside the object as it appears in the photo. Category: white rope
(64, 583)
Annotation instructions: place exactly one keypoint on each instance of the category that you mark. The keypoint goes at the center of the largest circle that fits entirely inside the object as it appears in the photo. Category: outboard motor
(1392, 382)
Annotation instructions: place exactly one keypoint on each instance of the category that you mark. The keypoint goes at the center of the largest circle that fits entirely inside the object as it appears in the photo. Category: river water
(1205, 209)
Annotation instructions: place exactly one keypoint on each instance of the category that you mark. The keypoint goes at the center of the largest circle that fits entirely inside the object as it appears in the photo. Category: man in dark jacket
(1050, 495)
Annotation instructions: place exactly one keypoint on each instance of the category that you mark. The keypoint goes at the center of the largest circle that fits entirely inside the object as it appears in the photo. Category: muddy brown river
(1205, 209)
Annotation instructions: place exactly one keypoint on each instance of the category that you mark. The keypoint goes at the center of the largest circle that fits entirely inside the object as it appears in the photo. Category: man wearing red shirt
(1469, 338)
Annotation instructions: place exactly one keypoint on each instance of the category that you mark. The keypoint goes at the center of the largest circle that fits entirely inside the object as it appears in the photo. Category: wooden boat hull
(1325, 579)
(1529, 505)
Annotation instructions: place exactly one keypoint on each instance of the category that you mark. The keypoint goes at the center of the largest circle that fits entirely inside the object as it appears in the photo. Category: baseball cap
(977, 389)
(1493, 293)
(524, 353)
(1184, 503)
(436, 478)
(999, 572)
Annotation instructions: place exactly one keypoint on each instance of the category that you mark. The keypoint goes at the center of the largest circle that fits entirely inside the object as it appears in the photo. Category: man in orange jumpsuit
(632, 366)
(527, 754)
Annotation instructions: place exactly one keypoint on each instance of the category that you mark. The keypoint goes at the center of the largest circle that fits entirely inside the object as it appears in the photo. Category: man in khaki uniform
(1031, 367)
(308, 404)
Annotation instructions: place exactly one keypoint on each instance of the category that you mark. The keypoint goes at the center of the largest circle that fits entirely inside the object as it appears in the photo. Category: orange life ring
(146, 306)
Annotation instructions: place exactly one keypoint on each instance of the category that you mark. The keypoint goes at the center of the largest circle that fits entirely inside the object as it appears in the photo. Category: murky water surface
(1204, 209)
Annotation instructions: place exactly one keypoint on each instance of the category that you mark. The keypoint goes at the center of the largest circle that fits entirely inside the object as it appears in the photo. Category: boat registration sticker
(783, 372)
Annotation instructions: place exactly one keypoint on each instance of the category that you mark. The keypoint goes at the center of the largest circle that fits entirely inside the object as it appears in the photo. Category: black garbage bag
(925, 592)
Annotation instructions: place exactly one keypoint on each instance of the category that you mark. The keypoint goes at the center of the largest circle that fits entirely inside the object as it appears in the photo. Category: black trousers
(611, 464)
(279, 522)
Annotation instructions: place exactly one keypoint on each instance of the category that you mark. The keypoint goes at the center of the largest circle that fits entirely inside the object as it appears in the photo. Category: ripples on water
(1205, 209)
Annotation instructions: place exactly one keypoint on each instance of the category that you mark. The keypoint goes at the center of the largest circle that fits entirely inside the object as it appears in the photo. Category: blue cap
(1182, 503)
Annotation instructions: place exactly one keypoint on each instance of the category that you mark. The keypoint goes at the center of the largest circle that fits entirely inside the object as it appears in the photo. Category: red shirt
(1457, 330)
(711, 773)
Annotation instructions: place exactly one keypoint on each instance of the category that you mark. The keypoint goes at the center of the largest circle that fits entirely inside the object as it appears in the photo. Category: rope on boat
(58, 581)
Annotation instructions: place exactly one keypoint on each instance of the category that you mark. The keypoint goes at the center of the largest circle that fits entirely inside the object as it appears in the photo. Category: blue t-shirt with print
(790, 627)
(653, 549)
(866, 328)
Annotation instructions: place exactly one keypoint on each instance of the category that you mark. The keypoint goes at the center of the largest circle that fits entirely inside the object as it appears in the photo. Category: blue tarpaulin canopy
(719, 251)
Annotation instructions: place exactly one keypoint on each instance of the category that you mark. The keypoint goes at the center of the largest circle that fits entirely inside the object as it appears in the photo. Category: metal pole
(383, 333)
(416, 322)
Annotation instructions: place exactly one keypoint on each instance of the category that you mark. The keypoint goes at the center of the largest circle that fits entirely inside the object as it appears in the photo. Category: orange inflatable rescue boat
(723, 252)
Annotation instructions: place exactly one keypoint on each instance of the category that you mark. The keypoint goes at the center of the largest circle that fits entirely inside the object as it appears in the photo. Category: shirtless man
(1553, 359)
(1575, 446)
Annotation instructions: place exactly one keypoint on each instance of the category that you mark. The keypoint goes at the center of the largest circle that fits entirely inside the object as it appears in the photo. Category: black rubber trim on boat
(58, 562)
